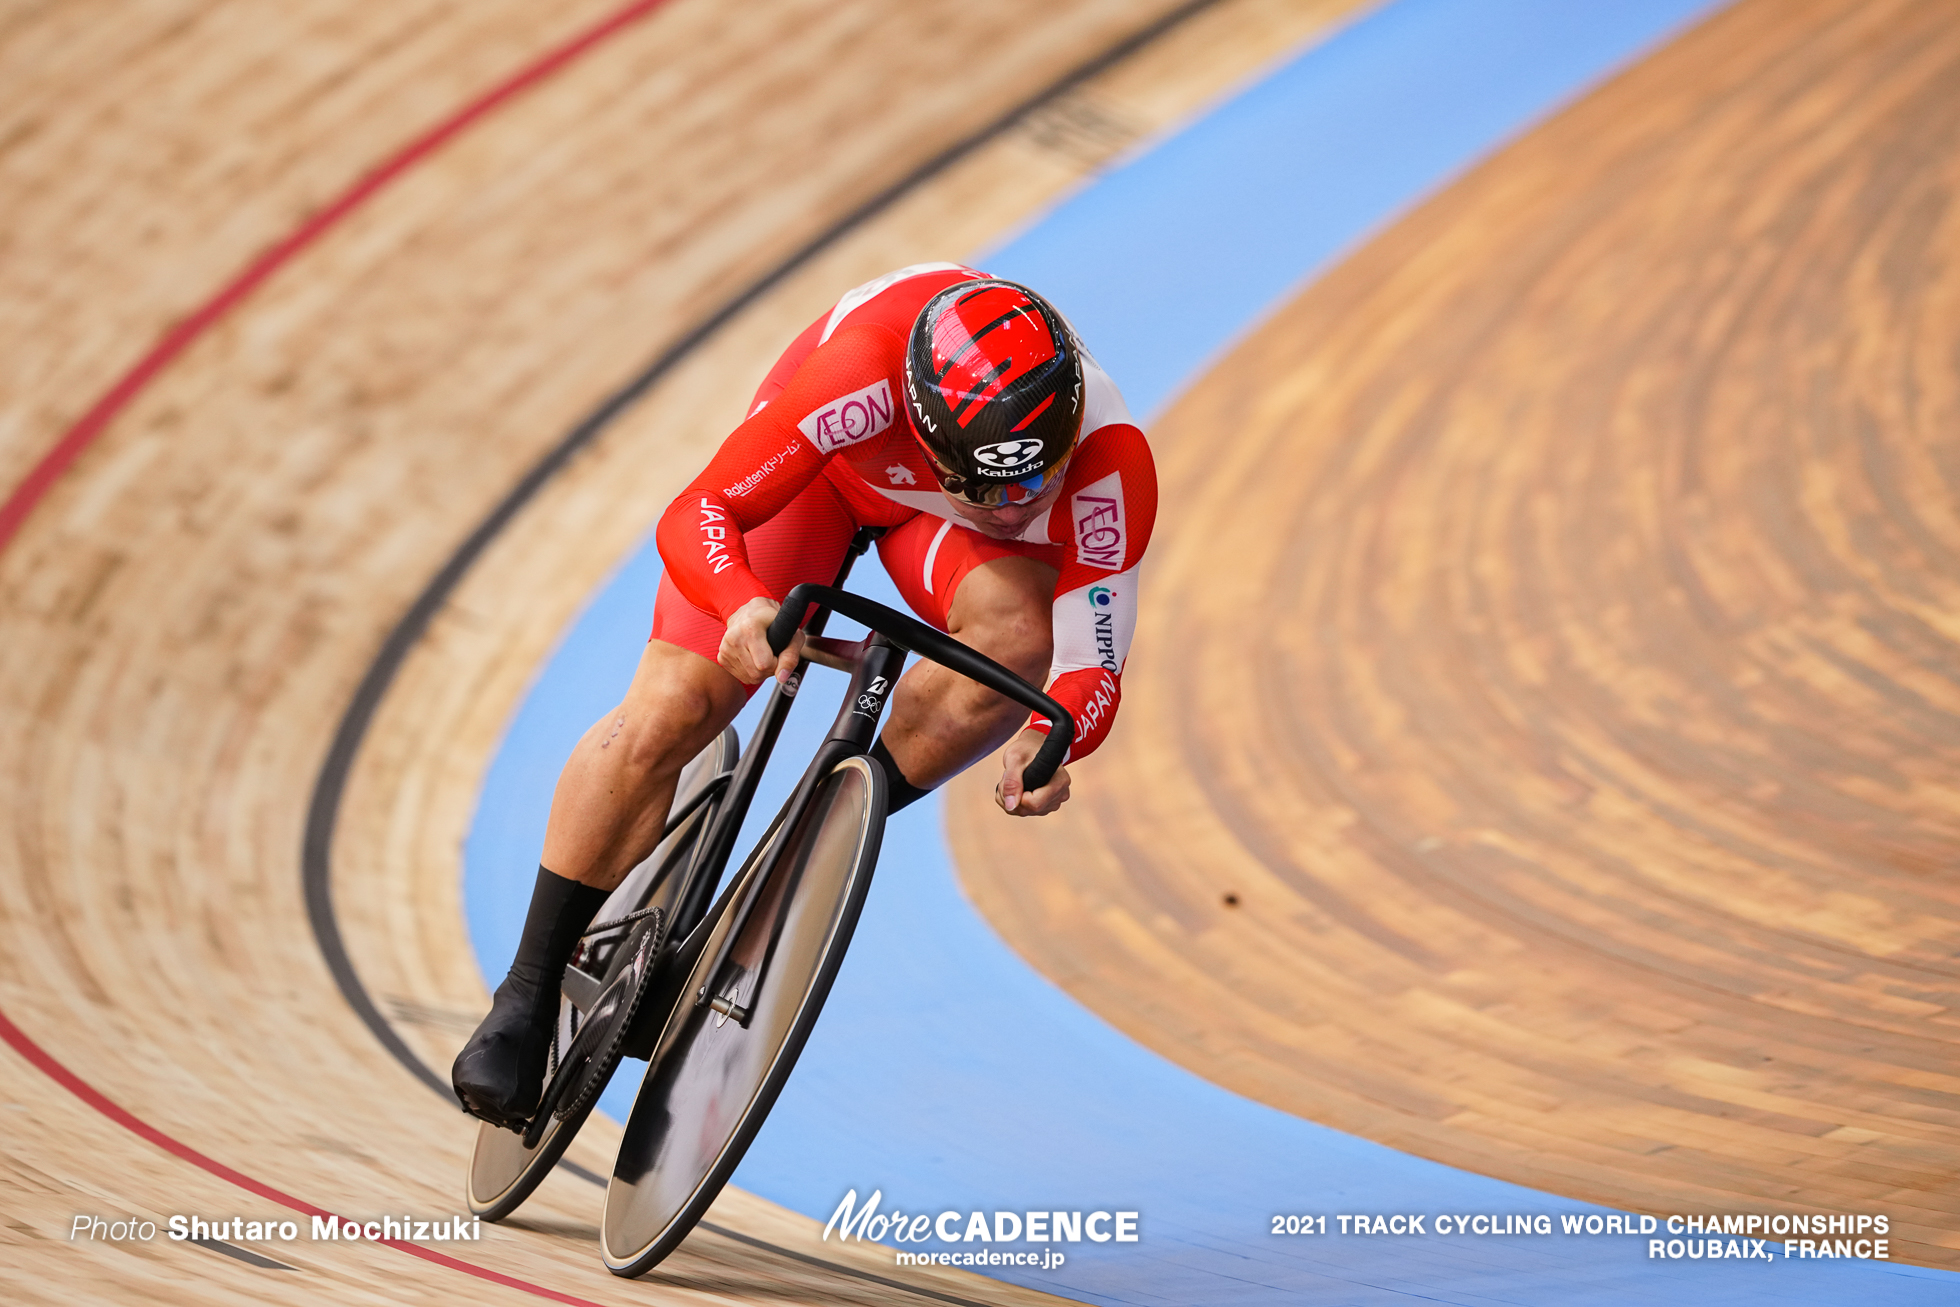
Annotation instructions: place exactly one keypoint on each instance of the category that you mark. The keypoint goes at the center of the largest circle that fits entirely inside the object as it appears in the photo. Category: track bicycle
(719, 998)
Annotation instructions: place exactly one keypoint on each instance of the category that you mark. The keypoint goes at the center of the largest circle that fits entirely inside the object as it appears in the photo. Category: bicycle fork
(872, 681)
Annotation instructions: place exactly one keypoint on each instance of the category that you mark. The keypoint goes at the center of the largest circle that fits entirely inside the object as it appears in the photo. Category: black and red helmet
(994, 379)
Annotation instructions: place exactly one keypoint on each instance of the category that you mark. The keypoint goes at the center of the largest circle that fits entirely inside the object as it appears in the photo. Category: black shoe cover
(499, 1075)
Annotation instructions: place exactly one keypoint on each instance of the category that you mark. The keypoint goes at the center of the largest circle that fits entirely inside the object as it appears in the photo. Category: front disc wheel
(719, 1064)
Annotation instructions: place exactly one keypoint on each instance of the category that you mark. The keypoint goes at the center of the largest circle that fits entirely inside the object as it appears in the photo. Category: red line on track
(175, 341)
(129, 1121)
(92, 423)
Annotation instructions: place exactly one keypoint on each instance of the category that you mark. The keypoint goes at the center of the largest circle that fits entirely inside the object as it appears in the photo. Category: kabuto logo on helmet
(994, 383)
(1008, 456)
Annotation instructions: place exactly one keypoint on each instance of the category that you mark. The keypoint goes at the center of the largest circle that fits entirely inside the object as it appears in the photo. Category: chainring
(594, 1054)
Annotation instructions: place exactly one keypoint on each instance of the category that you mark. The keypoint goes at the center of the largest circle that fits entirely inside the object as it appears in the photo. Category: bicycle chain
(626, 920)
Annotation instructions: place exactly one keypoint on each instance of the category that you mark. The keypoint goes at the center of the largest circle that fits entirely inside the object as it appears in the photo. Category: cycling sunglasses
(998, 494)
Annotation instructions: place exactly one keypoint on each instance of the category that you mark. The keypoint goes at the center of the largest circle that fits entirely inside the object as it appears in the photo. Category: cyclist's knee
(674, 707)
(1005, 610)
(1022, 642)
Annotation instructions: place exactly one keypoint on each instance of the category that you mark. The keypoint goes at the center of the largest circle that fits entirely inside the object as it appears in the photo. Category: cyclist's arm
(769, 459)
(1103, 519)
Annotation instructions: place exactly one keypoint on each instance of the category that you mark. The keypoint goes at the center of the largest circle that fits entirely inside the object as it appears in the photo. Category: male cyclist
(957, 411)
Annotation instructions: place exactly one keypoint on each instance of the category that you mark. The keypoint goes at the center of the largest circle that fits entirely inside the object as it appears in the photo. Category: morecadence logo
(1026, 1228)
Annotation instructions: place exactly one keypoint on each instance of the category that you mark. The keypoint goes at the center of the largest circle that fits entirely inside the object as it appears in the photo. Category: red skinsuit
(827, 447)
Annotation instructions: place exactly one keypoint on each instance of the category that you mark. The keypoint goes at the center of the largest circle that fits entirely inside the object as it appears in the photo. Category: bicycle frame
(874, 665)
(874, 673)
(727, 1014)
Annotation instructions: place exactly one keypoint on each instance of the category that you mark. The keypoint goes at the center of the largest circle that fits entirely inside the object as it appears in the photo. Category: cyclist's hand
(744, 652)
(1034, 803)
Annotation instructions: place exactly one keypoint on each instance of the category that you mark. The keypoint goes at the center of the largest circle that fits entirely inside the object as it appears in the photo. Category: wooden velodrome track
(195, 587)
(1541, 749)
(1572, 723)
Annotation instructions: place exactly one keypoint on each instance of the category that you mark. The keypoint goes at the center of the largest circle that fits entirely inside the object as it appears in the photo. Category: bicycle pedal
(581, 987)
(516, 1127)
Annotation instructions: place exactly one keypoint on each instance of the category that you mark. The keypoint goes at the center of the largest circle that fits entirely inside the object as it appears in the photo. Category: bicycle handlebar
(910, 634)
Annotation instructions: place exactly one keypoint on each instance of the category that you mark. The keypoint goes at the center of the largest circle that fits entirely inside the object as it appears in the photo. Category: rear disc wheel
(503, 1170)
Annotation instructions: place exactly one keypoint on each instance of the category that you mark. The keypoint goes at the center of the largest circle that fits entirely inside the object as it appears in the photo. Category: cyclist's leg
(997, 596)
(612, 797)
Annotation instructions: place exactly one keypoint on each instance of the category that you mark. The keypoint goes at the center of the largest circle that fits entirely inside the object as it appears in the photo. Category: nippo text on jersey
(1100, 598)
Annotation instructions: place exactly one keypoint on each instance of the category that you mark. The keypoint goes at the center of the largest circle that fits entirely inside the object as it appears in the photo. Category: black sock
(561, 909)
(903, 793)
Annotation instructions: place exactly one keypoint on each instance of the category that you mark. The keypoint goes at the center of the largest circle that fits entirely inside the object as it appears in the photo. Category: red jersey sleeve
(845, 392)
(1103, 520)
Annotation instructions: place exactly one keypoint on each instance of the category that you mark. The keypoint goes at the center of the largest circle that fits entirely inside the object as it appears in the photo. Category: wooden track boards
(189, 610)
(1551, 644)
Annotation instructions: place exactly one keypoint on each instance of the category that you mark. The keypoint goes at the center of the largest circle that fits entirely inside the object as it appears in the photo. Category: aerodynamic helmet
(994, 380)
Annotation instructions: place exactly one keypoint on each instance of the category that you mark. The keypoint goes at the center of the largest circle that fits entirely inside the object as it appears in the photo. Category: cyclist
(958, 411)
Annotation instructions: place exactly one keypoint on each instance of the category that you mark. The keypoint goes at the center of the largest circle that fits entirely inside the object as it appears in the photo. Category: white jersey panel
(877, 286)
(933, 503)
(1095, 623)
(1102, 402)
(921, 501)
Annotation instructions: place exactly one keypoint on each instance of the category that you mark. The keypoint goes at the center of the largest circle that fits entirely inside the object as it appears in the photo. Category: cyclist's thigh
(804, 542)
(930, 558)
(684, 699)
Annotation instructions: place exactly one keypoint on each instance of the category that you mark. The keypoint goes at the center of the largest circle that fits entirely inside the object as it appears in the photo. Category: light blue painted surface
(1161, 264)
(947, 1073)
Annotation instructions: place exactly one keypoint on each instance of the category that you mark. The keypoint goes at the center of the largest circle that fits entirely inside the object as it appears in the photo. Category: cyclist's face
(1005, 521)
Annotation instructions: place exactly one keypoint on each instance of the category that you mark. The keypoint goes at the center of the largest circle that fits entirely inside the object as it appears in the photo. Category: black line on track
(245, 1255)
(323, 811)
